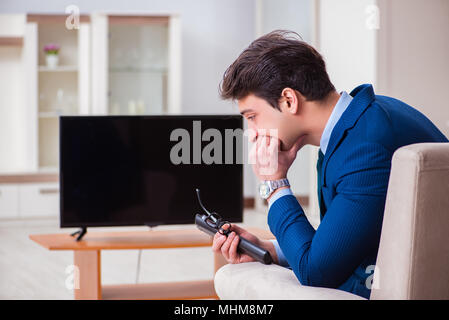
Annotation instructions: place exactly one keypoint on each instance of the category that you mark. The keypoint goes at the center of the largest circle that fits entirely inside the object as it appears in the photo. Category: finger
(264, 142)
(217, 235)
(296, 146)
(260, 139)
(262, 155)
(237, 229)
(274, 145)
(218, 242)
(253, 154)
(252, 135)
(276, 141)
(233, 255)
(226, 226)
(226, 245)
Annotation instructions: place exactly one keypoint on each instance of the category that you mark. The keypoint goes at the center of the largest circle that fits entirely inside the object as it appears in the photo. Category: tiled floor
(28, 271)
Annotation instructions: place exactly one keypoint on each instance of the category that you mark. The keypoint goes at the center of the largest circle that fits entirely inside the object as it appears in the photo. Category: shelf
(139, 20)
(11, 41)
(58, 69)
(54, 114)
(55, 19)
(30, 177)
(46, 115)
(138, 70)
(54, 170)
(200, 289)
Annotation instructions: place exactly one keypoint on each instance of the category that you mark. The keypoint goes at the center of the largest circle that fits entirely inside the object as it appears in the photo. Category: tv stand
(151, 225)
(80, 233)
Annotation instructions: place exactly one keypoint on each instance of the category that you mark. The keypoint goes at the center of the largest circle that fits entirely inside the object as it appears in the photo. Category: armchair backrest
(413, 257)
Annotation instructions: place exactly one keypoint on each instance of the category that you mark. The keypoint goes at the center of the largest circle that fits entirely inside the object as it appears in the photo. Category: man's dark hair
(275, 61)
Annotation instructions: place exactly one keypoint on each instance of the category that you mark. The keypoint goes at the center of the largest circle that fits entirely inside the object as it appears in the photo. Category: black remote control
(211, 223)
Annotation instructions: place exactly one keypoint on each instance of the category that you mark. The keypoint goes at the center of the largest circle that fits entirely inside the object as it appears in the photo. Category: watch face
(264, 190)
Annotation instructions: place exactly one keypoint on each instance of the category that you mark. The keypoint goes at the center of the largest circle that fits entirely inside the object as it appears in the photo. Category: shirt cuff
(279, 194)
(281, 258)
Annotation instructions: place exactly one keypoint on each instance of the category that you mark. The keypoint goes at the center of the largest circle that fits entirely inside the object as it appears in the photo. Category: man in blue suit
(281, 83)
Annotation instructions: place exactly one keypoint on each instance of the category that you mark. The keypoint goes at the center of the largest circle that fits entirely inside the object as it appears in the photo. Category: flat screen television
(143, 170)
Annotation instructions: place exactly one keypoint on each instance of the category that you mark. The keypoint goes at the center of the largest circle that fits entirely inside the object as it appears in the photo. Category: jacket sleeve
(350, 229)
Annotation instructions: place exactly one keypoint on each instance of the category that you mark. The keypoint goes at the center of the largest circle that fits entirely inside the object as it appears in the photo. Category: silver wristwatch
(266, 188)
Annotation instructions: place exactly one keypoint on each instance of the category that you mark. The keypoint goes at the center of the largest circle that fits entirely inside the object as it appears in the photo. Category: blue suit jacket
(354, 180)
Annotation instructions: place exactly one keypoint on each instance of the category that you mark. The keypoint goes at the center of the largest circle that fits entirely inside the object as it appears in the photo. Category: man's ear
(290, 101)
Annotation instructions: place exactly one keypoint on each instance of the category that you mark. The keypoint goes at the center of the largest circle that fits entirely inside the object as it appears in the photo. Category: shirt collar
(340, 107)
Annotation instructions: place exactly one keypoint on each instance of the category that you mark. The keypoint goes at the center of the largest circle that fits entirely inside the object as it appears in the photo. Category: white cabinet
(137, 61)
(111, 64)
(38, 200)
(9, 201)
(29, 195)
(54, 90)
(29, 200)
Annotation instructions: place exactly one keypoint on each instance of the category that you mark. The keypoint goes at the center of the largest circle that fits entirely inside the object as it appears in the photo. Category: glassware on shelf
(59, 101)
(140, 107)
(138, 69)
(71, 105)
(117, 57)
(148, 62)
(115, 109)
(132, 58)
(43, 103)
(132, 107)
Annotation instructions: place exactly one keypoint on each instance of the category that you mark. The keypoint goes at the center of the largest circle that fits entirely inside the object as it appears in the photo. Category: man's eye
(251, 118)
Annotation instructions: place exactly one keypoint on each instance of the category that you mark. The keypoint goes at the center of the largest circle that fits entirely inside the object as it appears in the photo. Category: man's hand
(269, 162)
(227, 246)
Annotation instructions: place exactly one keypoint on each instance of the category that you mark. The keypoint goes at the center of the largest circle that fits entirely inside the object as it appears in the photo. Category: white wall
(414, 55)
(405, 57)
(347, 44)
(294, 15)
(399, 46)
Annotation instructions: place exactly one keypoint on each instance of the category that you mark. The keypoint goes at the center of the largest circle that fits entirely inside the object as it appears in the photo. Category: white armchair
(413, 257)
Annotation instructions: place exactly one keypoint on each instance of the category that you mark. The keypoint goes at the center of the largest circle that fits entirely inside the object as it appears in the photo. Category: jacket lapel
(363, 95)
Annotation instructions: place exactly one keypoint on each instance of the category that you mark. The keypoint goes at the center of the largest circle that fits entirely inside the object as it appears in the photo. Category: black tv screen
(143, 170)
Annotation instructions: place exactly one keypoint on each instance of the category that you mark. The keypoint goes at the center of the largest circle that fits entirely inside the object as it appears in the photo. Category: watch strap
(275, 184)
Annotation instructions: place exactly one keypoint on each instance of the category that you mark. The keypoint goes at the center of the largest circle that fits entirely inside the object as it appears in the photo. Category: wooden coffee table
(87, 259)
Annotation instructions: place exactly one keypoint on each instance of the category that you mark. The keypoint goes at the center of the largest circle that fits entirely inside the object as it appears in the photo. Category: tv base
(80, 233)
